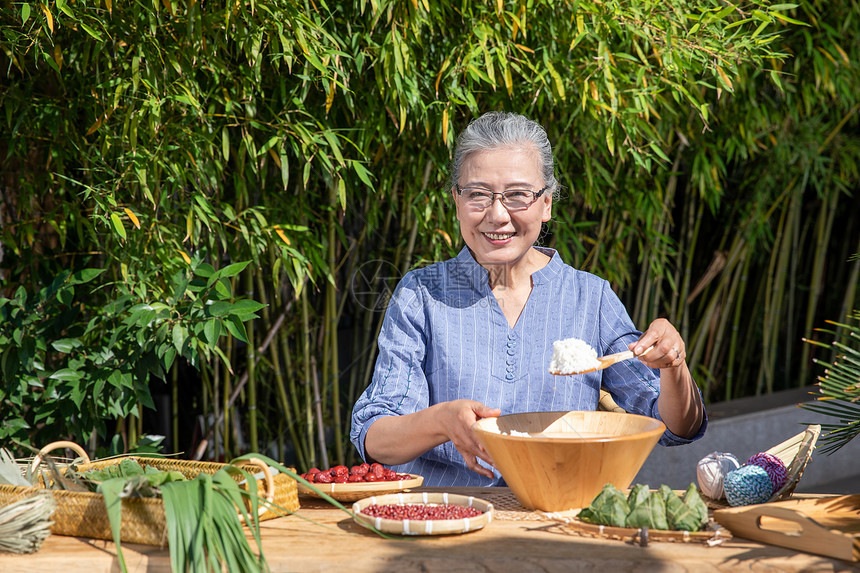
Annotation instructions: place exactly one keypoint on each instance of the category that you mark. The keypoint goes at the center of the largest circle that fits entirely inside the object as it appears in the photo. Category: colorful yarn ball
(747, 485)
(774, 467)
(711, 472)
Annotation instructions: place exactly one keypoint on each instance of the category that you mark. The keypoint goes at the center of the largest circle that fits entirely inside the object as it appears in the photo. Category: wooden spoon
(606, 362)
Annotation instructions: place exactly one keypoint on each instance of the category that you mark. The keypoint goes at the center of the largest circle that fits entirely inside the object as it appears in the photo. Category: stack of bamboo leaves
(24, 523)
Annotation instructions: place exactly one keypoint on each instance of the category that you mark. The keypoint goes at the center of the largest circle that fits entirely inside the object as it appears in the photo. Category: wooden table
(333, 542)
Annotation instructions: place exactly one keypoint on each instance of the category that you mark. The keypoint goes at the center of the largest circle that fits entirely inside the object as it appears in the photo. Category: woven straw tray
(83, 514)
(360, 490)
(713, 535)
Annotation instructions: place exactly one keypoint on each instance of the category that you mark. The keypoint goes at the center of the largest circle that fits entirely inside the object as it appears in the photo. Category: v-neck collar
(479, 278)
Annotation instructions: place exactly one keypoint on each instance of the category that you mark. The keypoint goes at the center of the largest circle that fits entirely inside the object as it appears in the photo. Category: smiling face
(495, 235)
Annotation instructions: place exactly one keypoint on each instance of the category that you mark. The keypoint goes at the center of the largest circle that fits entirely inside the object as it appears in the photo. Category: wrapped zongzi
(649, 510)
(608, 508)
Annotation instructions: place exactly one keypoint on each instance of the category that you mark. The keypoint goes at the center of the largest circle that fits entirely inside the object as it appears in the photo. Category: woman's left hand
(669, 348)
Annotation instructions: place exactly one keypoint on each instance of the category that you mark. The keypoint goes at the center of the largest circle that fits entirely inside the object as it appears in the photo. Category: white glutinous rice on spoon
(572, 355)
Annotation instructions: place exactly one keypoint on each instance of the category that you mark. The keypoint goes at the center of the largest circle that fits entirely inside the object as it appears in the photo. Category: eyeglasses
(512, 199)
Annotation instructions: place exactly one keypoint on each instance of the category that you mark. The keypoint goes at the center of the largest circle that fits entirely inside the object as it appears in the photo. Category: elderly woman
(472, 337)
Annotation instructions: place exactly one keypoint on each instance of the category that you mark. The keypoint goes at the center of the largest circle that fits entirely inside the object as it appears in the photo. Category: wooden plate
(361, 490)
(425, 527)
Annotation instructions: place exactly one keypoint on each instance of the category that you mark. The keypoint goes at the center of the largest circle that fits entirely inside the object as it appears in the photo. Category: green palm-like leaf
(839, 390)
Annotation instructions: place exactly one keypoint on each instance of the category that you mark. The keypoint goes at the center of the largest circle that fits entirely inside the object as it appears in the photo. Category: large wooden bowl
(567, 457)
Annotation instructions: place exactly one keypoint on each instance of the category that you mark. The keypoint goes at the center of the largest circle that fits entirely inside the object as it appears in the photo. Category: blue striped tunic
(445, 337)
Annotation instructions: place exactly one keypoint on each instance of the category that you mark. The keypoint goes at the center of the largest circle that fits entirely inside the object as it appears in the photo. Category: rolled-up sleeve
(398, 386)
(634, 386)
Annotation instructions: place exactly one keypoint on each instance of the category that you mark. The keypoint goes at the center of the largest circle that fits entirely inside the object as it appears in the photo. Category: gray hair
(499, 130)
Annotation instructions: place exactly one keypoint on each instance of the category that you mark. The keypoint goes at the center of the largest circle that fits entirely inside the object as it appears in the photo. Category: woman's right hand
(457, 420)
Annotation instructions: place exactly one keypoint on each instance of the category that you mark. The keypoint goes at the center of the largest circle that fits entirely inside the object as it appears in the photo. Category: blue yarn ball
(747, 485)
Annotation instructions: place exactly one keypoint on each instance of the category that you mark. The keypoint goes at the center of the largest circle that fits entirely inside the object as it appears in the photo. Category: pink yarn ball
(776, 470)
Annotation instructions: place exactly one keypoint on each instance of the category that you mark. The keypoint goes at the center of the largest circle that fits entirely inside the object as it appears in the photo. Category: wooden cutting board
(828, 526)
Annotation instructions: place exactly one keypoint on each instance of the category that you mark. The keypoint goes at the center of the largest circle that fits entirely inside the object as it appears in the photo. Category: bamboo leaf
(49, 19)
(132, 217)
(117, 225)
(362, 173)
(282, 235)
(557, 81)
(788, 20)
(782, 7)
(331, 138)
(725, 78)
(96, 35)
(656, 149)
(225, 143)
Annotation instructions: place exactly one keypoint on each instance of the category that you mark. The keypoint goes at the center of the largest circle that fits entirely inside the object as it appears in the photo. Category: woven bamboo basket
(795, 453)
(83, 514)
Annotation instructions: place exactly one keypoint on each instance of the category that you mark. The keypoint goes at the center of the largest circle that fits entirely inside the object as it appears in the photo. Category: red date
(340, 471)
(420, 512)
(359, 473)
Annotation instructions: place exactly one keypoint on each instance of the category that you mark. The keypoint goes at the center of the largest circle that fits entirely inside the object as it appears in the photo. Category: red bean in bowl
(420, 511)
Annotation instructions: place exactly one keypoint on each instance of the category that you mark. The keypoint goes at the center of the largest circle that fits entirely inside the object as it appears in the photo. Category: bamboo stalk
(335, 377)
(281, 346)
(777, 270)
(174, 407)
(824, 230)
(800, 231)
(251, 371)
(319, 415)
(675, 295)
(737, 317)
(290, 400)
(295, 392)
(356, 332)
(243, 380)
(693, 224)
(330, 371)
(717, 354)
(309, 372)
(700, 338)
(226, 406)
(848, 301)
(217, 406)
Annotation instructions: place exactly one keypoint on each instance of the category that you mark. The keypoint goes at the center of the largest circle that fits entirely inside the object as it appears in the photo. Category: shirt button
(511, 351)
(510, 360)
(509, 376)
(511, 343)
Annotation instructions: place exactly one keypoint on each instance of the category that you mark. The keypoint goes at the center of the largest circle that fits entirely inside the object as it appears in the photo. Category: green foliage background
(709, 153)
